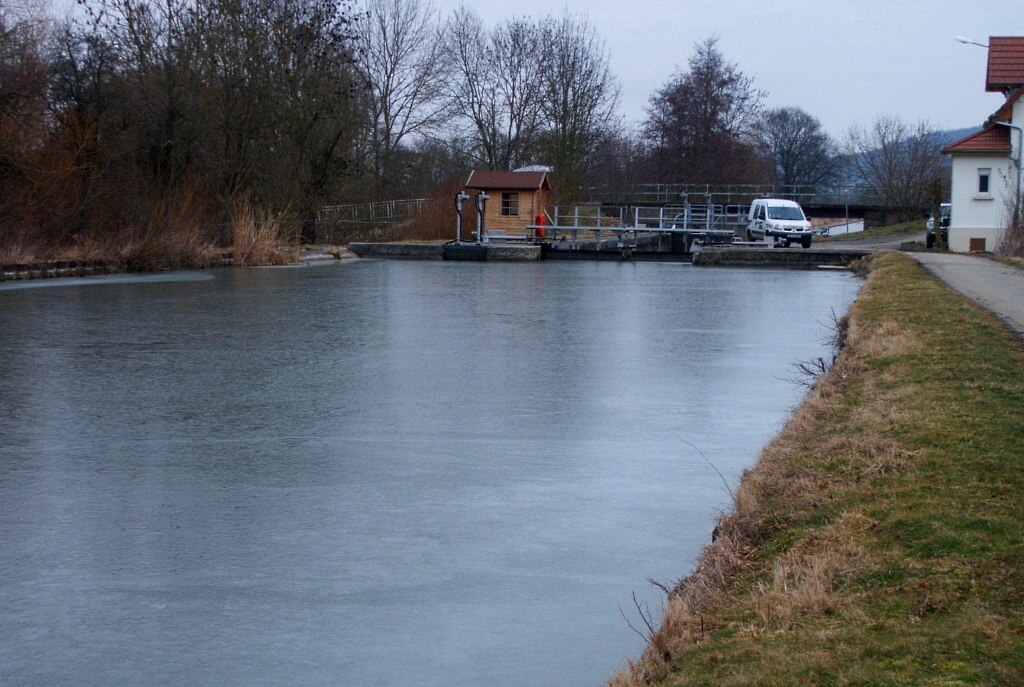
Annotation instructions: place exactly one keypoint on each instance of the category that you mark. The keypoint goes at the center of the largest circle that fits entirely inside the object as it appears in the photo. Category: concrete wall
(408, 251)
(976, 215)
(775, 257)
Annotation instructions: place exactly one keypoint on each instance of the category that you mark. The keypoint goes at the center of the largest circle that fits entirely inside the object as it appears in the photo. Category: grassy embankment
(880, 538)
(905, 228)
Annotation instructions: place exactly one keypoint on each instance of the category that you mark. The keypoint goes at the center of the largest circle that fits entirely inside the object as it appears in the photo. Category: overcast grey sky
(843, 62)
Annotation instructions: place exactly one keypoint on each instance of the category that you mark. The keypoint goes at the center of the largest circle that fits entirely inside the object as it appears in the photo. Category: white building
(987, 165)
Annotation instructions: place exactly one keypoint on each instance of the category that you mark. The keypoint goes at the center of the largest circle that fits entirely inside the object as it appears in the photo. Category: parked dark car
(944, 213)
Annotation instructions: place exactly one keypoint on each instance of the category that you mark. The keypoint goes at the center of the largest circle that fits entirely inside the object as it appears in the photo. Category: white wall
(976, 215)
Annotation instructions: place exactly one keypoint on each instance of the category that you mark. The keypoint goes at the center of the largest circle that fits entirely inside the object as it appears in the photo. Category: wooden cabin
(516, 199)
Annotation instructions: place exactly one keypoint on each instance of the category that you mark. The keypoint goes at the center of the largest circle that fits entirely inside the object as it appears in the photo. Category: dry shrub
(435, 220)
(255, 235)
(175, 235)
(102, 219)
(1012, 241)
(18, 252)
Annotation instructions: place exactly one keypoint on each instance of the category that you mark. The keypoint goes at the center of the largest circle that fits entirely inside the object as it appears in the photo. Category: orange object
(540, 225)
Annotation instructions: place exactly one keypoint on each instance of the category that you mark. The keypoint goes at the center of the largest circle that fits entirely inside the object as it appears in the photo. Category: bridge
(680, 224)
(834, 201)
(382, 221)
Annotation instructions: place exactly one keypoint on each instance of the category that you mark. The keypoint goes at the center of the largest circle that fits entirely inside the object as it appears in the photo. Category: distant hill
(944, 138)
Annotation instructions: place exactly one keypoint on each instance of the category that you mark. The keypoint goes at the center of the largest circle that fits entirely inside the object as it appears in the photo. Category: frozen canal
(384, 474)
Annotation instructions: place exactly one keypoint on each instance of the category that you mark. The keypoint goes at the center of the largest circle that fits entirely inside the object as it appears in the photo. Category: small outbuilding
(516, 201)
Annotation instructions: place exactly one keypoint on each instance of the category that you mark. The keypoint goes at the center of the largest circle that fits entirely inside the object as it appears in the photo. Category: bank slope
(880, 538)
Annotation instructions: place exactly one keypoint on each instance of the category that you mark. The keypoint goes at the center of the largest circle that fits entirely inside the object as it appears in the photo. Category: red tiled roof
(1005, 63)
(487, 180)
(992, 140)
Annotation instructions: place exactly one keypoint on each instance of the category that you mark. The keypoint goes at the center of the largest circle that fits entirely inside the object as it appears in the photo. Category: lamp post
(968, 41)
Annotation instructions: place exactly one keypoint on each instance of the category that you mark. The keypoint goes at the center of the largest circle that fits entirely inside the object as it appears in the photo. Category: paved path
(992, 285)
(883, 243)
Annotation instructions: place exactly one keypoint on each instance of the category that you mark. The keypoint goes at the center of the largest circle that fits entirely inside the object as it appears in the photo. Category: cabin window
(509, 203)
(983, 180)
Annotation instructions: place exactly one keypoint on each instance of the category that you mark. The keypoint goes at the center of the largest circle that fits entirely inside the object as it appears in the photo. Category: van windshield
(784, 212)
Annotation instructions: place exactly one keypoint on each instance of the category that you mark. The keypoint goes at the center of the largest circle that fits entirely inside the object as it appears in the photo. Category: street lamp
(968, 41)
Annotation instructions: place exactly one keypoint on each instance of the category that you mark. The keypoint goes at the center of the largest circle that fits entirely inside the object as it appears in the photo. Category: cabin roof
(486, 180)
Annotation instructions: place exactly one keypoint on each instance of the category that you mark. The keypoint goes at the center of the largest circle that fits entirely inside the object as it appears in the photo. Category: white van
(782, 219)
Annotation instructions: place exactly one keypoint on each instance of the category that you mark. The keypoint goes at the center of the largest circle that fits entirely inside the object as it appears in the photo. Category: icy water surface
(376, 474)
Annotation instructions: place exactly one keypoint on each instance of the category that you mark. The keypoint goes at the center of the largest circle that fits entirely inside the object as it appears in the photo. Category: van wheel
(806, 242)
(930, 241)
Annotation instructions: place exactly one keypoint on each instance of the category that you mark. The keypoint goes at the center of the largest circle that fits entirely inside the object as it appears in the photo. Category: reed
(256, 235)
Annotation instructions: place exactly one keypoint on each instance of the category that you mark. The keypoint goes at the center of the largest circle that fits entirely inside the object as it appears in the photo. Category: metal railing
(688, 222)
(667, 218)
(658, 194)
(380, 221)
(384, 211)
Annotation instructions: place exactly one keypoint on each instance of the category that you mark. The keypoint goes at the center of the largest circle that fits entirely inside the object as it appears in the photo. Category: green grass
(1010, 260)
(894, 551)
(906, 228)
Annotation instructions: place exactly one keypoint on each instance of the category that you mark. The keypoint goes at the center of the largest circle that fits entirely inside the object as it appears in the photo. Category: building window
(509, 203)
(983, 180)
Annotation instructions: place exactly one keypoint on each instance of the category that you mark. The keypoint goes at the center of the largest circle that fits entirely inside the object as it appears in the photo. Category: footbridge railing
(679, 223)
(740, 194)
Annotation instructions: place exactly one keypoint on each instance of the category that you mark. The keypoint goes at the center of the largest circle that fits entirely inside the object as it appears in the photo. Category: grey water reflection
(379, 473)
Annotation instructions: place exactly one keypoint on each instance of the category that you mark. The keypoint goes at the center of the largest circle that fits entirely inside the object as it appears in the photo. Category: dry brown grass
(18, 253)
(256, 235)
(802, 586)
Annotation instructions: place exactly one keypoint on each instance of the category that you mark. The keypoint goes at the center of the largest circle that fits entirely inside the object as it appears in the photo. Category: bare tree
(250, 97)
(802, 152)
(496, 86)
(1012, 240)
(579, 98)
(400, 62)
(23, 118)
(22, 66)
(619, 163)
(901, 161)
(699, 123)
